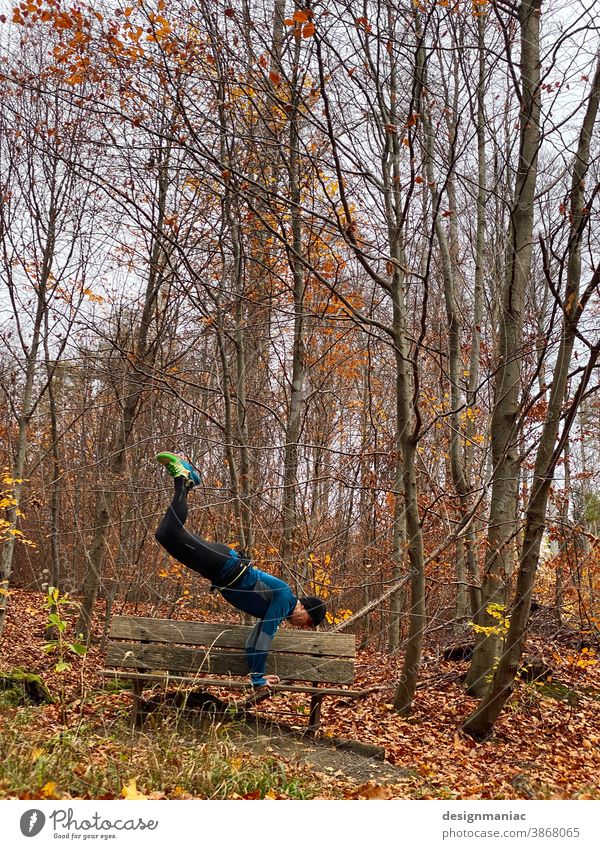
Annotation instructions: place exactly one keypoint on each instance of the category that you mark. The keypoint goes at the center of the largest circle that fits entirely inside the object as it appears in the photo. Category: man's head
(308, 613)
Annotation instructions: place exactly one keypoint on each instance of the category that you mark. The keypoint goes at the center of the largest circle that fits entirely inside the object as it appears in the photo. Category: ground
(545, 745)
(333, 759)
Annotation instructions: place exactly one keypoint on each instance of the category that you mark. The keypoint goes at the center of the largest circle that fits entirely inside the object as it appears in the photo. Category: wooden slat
(235, 684)
(223, 662)
(229, 636)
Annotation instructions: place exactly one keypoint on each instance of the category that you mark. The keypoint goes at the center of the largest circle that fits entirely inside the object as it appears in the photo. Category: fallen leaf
(372, 791)
(48, 790)
(130, 791)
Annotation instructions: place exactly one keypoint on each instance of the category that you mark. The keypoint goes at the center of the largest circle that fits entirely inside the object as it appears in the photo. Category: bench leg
(137, 698)
(314, 718)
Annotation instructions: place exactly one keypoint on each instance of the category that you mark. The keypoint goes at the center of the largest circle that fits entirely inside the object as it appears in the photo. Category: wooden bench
(147, 651)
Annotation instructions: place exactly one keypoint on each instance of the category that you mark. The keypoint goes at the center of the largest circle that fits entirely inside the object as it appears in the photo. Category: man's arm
(261, 637)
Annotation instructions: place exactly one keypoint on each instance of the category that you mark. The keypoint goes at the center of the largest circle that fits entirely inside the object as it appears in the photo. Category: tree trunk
(407, 684)
(475, 354)
(502, 529)
(292, 434)
(54, 400)
(448, 257)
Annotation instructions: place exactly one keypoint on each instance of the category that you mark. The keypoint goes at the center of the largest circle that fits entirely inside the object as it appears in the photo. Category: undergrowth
(168, 760)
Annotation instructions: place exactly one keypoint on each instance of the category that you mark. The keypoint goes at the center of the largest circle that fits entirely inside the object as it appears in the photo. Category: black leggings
(206, 558)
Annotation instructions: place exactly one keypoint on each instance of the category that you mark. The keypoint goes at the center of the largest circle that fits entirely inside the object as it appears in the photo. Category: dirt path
(345, 760)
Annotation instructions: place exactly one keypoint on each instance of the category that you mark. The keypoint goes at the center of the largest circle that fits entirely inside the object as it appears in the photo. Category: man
(246, 588)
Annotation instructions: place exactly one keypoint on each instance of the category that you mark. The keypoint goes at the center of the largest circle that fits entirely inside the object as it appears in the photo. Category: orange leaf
(274, 77)
(363, 22)
(300, 17)
(308, 30)
(370, 790)
(63, 21)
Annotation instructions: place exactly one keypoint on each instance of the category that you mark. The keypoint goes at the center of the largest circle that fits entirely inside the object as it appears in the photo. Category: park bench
(149, 651)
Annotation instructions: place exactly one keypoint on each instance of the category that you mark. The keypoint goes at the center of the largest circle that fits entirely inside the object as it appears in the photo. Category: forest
(343, 256)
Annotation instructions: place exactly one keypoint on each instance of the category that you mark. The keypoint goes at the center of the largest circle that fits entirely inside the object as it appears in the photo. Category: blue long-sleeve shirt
(270, 601)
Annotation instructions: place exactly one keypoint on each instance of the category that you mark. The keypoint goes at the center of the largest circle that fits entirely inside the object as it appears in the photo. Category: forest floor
(545, 745)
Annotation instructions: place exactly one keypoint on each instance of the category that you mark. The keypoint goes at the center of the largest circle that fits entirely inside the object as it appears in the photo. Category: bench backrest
(184, 647)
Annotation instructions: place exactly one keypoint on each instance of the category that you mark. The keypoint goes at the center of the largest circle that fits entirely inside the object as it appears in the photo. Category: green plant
(55, 603)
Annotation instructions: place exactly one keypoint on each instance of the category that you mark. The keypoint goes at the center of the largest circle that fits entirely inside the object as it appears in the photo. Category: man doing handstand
(261, 595)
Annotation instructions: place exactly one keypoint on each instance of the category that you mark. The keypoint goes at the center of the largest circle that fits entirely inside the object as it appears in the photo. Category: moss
(116, 685)
(554, 690)
(10, 698)
(18, 687)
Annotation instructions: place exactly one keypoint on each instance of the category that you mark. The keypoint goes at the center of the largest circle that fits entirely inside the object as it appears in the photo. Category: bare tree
(43, 222)
(505, 420)
(551, 446)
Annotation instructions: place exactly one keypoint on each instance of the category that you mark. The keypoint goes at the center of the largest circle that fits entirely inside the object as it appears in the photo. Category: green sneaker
(177, 467)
